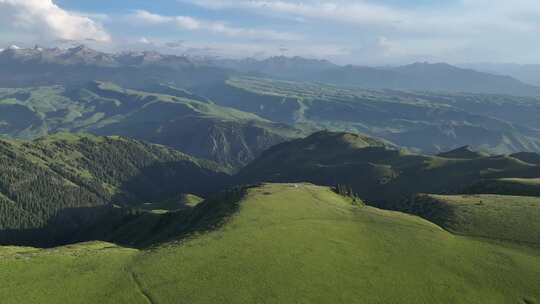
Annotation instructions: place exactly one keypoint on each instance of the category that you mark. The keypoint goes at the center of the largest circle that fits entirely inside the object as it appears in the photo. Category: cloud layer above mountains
(360, 31)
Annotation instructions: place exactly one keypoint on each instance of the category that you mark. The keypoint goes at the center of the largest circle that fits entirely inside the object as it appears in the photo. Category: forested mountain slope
(60, 183)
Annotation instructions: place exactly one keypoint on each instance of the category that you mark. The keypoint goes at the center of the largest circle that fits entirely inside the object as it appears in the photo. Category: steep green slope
(429, 122)
(500, 217)
(377, 171)
(199, 128)
(286, 243)
(56, 183)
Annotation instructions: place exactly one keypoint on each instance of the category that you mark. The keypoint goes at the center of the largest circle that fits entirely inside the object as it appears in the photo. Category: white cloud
(188, 23)
(454, 30)
(144, 40)
(150, 18)
(358, 12)
(359, 31)
(217, 27)
(364, 12)
(459, 16)
(45, 20)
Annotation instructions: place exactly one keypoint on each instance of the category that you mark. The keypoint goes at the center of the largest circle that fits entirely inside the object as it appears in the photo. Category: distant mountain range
(79, 65)
(82, 55)
(280, 66)
(234, 121)
(528, 73)
(230, 111)
(46, 66)
(427, 122)
(427, 77)
(228, 136)
(420, 76)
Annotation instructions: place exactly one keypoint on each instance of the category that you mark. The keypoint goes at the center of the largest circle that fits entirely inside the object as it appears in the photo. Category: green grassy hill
(499, 217)
(286, 243)
(66, 181)
(377, 171)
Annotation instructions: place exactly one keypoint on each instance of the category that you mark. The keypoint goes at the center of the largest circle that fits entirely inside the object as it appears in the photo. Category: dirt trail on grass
(141, 289)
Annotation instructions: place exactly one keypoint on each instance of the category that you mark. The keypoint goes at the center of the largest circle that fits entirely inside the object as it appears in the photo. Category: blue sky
(358, 32)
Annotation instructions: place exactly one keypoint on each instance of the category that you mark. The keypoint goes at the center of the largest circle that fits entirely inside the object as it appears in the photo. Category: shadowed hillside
(43, 183)
(507, 186)
(377, 171)
(498, 217)
(463, 153)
